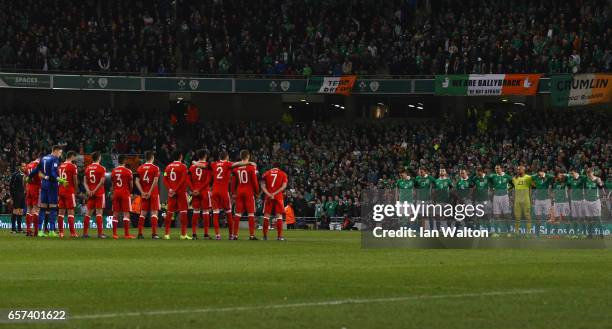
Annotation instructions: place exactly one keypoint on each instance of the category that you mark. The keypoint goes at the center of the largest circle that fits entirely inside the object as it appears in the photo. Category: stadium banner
(270, 86)
(332, 85)
(15, 80)
(96, 82)
(189, 85)
(581, 89)
(382, 86)
(487, 84)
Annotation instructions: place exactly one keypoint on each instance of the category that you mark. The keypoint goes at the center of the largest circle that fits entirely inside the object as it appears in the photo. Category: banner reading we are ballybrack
(581, 89)
(332, 85)
(487, 84)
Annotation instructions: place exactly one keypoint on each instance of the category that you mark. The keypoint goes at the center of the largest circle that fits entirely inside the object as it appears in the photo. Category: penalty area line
(307, 304)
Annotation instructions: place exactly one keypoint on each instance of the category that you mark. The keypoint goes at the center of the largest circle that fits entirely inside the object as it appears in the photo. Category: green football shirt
(442, 188)
(406, 188)
(424, 185)
(500, 183)
(542, 187)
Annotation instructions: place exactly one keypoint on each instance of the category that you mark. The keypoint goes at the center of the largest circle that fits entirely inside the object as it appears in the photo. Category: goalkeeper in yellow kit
(522, 203)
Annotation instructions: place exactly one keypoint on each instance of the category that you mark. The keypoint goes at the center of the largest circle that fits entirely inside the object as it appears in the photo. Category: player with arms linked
(200, 178)
(274, 182)
(95, 175)
(67, 199)
(146, 182)
(47, 170)
(122, 180)
(175, 180)
(244, 188)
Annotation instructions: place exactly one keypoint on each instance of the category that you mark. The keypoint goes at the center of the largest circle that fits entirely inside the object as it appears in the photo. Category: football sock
(230, 223)
(236, 225)
(71, 224)
(18, 223)
(28, 222)
(99, 224)
(115, 222)
(206, 222)
(195, 218)
(52, 216)
(141, 220)
(167, 222)
(126, 226)
(86, 224)
(216, 222)
(183, 218)
(279, 228)
(251, 225)
(14, 223)
(41, 219)
(60, 223)
(35, 223)
(153, 225)
(266, 226)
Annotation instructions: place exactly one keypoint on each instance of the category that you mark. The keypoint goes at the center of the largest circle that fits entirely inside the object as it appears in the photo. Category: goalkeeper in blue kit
(48, 171)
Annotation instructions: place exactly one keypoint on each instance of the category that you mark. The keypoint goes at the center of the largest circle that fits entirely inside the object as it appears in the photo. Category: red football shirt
(34, 181)
(244, 180)
(199, 177)
(147, 173)
(94, 174)
(274, 179)
(121, 178)
(221, 171)
(67, 171)
(175, 177)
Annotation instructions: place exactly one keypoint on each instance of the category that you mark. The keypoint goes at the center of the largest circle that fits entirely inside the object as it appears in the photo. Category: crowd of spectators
(323, 37)
(328, 163)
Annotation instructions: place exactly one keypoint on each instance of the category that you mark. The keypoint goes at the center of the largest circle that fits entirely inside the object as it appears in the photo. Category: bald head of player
(521, 170)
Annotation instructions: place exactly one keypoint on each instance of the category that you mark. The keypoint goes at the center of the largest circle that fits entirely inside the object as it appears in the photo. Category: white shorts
(486, 206)
(592, 208)
(577, 208)
(501, 205)
(562, 209)
(542, 207)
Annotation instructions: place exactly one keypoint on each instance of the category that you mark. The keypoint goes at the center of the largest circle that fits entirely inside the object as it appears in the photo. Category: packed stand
(322, 37)
(326, 160)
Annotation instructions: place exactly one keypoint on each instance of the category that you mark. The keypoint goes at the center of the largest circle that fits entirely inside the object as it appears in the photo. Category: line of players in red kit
(238, 178)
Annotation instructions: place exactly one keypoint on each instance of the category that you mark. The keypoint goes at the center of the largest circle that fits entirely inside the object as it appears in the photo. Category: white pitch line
(307, 304)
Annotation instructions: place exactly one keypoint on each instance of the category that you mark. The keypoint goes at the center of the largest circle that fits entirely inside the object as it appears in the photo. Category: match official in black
(17, 186)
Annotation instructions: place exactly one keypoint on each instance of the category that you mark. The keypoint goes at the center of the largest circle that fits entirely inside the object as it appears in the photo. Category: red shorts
(274, 206)
(221, 201)
(121, 202)
(32, 195)
(178, 202)
(150, 204)
(245, 203)
(201, 201)
(96, 202)
(66, 200)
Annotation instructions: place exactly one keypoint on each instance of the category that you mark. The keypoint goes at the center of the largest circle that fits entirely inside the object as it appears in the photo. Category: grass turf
(244, 284)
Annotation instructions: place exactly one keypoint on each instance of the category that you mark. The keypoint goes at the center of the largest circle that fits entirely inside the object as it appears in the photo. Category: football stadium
(305, 164)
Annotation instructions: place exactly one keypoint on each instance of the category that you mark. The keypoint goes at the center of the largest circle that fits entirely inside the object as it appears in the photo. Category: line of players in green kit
(561, 204)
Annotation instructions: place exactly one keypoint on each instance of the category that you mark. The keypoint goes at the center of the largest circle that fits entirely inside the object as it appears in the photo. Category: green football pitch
(316, 279)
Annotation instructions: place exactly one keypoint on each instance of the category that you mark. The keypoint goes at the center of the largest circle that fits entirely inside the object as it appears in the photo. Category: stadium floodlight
(290, 107)
(419, 107)
(307, 103)
(302, 100)
(410, 105)
(336, 105)
(520, 104)
(420, 104)
(342, 107)
(505, 100)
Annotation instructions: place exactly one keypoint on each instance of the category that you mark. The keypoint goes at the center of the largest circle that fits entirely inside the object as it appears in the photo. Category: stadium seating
(329, 159)
(304, 38)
